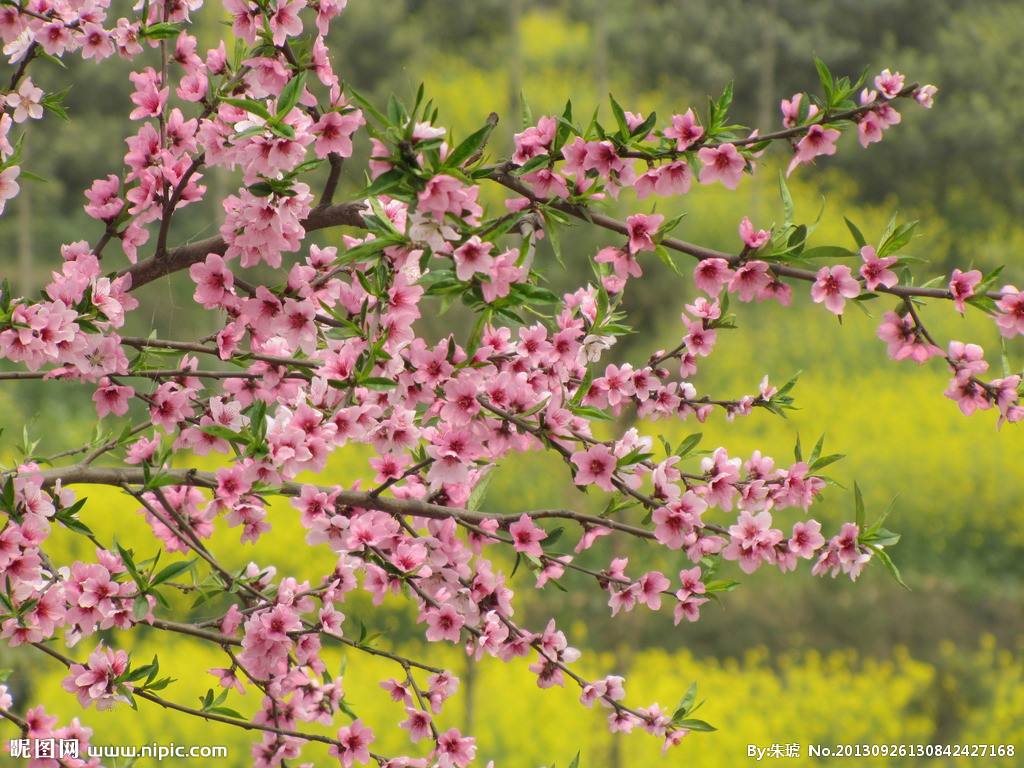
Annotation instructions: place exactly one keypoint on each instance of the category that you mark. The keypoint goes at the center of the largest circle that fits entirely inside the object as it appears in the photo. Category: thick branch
(184, 256)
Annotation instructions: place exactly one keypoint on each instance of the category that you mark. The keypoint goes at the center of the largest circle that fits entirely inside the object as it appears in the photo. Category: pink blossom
(676, 520)
(334, 132)
(526, 536)
(472, 257)
(817, 141)
(9, 186)
(806, 538)
(875, 271)
(753, 240)
(595, 465)
(752, 541)
(112, 398)
(711, 274)
(1011, 312)
(925, 95)
(962, 285)
(723, 163)
(355, 744)
(454, 750)
(904, 340)
(444, 623)
(642, 228)
(889, 83)
(684, 130)
(833, 286)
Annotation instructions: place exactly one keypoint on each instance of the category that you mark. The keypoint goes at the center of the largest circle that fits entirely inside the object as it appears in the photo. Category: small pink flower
(753, 240)
(684, 130)
(526, 536)
(711, 274)
(417, 723)
(355, 744)
(595, 466)
(925, 95)
(817, 141)
(724, 164)
(833, 287)
(444, 623)
(806, 538)
(1011, 312)
(889, 83)
(875, 271)
(642, 228)
(472, 257)
(962, 285)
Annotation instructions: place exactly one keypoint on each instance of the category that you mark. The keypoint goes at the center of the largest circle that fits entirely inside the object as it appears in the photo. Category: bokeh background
(789, 659)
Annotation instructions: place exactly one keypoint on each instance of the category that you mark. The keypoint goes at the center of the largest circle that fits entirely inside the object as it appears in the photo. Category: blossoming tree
(321, 347)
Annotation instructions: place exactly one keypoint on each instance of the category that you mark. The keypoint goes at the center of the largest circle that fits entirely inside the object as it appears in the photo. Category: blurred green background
(784, 659)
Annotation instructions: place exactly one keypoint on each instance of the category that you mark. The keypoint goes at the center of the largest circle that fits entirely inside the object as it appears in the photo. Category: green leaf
(787, 199)
(897, 239)
(250, 105)
(620, 117)
(890, 566)
(575, 761)
(695, 725)
(163, 30)
(858, 505)
(290, 95)
(479, 492)
(227, 711)
(469, 146)
(857, 236)
(688, 444)
(825, 461)
(827, 252)
(172, 570)
(377, 382)
(688, 700)
(825, 76)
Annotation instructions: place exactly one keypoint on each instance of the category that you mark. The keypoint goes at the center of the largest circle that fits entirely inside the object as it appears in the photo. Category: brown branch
(184, 256)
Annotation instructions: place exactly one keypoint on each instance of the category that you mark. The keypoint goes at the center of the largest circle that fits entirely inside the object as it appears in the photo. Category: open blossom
(334, 131)
(962, 285)
(684, 130)
(355, 744)
(875, 271)
(817, 141)
(711, 274)
(472, 257)
(833, 287)
(642, 229)
(595, 466)
(526, 536)
(724, 164)
(1011, 312)
(26, 101)
(444, 623)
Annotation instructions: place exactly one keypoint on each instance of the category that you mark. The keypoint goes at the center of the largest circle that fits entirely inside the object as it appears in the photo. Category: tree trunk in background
(766, 107)
(515, 64)
(469, 694)
(25, 268)
(599, 37)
